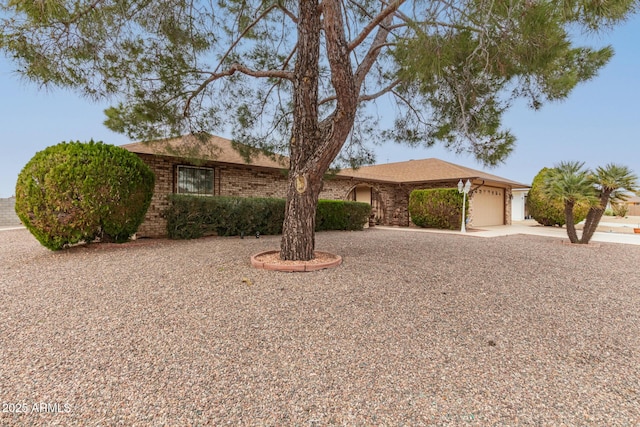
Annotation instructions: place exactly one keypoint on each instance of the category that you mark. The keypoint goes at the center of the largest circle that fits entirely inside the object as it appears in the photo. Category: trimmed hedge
(341, 215)
(436, 208)
(78, 192)
(190, 217)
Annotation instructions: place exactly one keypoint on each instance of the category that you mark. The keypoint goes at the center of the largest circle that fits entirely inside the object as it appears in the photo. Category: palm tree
(572, 184)
(612, 182)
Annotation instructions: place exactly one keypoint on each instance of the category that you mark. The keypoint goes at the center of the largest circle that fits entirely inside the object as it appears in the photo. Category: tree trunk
(314, 145)
(593, 218)
(304, 184)
(571, 227)
(298, 237)
(591, 223)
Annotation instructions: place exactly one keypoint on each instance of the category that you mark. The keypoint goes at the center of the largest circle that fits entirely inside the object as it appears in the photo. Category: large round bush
(73, 192)
(546, 211)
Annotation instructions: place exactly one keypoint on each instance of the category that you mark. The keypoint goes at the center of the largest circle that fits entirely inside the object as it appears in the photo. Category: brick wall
(8, 215)
(229, 180)
(384, 194)
(249, 182)
(154, 225)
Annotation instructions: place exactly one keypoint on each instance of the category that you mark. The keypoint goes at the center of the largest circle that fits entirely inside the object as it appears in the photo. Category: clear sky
(598, 124)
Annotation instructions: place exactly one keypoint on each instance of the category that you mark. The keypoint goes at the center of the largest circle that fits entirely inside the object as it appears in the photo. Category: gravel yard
(413, 329)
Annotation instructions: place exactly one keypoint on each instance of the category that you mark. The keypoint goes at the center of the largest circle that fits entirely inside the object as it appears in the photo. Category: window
(195, 181)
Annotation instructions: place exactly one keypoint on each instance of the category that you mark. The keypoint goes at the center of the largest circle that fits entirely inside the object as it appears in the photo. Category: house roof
(425, 170)
(222, 150)
(216, 149)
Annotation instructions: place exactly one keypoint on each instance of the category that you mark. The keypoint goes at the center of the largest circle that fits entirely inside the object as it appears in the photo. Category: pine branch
(378, 20)
(279, 74)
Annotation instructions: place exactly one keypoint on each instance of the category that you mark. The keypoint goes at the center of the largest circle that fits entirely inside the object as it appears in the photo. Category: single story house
(222, 170)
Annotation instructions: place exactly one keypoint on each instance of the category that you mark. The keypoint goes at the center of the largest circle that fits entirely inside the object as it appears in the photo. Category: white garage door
(488, 206)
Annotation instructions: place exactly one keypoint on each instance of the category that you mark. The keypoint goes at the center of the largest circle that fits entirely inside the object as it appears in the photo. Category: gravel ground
(413, 329)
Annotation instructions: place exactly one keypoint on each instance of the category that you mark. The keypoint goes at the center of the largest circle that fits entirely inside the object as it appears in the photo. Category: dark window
(195, 181)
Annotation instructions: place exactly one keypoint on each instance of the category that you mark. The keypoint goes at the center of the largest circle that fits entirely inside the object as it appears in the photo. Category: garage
(487, 206)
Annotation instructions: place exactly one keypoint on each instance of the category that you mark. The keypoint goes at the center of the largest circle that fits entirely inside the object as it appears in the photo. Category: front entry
(367, 194)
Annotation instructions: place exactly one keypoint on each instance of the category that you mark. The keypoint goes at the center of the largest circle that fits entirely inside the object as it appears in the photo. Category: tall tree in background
(296, 76)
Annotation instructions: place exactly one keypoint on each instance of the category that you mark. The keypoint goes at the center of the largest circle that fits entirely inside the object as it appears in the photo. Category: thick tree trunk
(591, 223)
(298, 238)
(314, 145)
(593, 218)
(298, 232)
(571, 227)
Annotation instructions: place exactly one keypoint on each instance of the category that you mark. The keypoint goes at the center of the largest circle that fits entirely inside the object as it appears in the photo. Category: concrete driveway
(619, 232)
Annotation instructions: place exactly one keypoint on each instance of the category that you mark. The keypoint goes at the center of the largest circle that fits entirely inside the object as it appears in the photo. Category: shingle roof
(425, 170)
(221, 150)
(217, 149)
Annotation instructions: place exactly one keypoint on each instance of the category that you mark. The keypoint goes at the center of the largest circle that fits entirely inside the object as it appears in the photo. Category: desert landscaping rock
(413, 329)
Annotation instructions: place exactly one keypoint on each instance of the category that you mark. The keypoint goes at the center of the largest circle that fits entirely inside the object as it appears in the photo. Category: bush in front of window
(436, 208)
(190, 217)
(80, 192)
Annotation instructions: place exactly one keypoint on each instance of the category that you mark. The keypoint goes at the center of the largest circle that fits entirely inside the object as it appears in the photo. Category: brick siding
(229, 180)
(339, 188)
(247, 182)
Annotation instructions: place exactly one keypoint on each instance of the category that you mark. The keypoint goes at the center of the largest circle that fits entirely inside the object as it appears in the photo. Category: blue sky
(598, 124)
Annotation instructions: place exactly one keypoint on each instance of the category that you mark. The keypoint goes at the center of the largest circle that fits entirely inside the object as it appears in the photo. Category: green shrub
(341, 215)
(73, 192)
(436, 208)
(546, 211)
(190, 217)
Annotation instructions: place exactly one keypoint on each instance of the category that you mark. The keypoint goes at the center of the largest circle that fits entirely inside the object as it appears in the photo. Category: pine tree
(296, 76)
